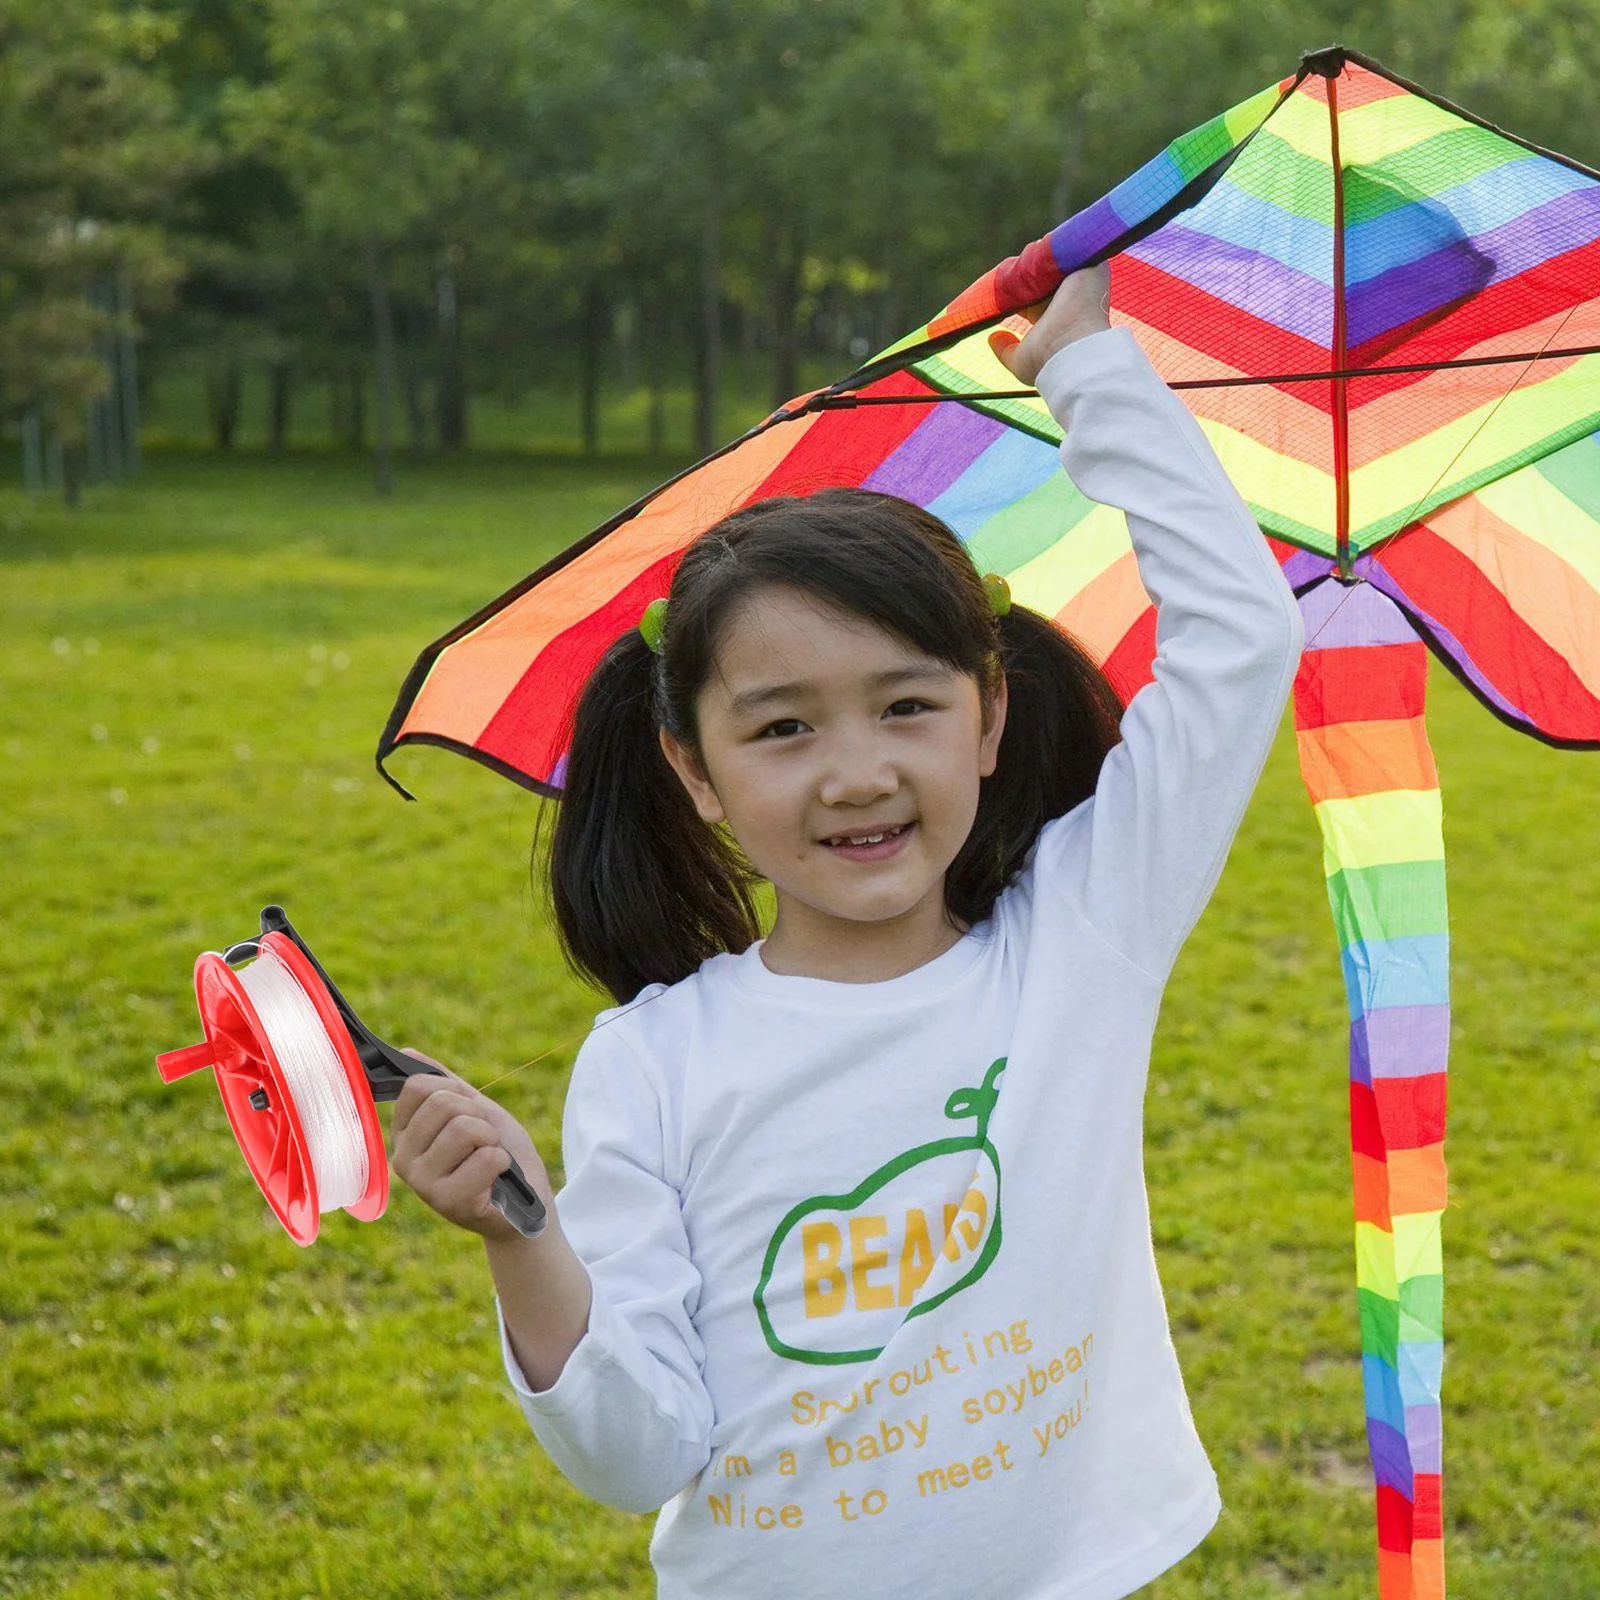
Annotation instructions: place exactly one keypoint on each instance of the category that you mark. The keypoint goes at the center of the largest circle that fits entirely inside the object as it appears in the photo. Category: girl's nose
(858, 773)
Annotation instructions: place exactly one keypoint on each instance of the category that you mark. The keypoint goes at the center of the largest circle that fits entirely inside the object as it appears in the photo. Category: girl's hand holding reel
(452, 1142)
(300, 1075)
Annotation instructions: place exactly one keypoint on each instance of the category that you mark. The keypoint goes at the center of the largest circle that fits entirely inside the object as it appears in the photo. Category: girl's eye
(788, 727)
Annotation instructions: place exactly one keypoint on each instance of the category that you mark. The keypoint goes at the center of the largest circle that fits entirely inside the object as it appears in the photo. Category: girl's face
(846, 763)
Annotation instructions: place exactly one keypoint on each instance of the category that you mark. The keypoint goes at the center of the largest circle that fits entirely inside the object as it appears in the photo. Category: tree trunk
(55, 472)
(654, 337)
(278, 407)
(449, 392)
(383, 338)
(356, 438)
(222, 400)
(72, 468)
(105, 426)
(888, 328)
(627, 330)
(709, 373)
(32, 451)
(1069, 172)
(785, 315)
(591, 339)
(127, 369)
(416, 408)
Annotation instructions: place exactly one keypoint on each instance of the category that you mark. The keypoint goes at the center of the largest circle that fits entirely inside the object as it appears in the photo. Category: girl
(852, 1272)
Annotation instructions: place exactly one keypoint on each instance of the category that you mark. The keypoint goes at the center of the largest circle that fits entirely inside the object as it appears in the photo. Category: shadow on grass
(252, 498)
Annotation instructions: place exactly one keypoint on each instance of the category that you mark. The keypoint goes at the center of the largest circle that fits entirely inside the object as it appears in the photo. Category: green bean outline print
(964, 1102)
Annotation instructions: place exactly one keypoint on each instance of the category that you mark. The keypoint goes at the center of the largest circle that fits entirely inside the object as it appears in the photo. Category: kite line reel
(300, 1075)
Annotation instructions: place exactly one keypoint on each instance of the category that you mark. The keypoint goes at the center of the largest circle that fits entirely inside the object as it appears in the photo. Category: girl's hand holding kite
(1081, 306)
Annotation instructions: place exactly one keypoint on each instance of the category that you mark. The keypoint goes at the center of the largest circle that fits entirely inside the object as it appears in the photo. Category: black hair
(642, 889)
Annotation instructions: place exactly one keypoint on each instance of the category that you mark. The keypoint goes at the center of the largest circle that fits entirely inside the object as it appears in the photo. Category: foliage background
(386, 215)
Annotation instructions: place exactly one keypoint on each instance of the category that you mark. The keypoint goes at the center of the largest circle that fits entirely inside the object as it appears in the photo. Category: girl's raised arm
(628, 1421)
(1143, 855)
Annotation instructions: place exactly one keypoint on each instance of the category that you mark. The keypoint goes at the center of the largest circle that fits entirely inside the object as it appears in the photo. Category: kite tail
(1365, 759)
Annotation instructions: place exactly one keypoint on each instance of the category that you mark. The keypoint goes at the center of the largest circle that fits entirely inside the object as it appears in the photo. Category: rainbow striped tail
(1365, 759)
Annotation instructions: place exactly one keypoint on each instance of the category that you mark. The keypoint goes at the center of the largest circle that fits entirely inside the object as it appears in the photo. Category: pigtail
(1062, 718)
(642, 890)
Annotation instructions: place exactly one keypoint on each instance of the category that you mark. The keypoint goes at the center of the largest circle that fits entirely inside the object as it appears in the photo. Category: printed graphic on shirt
(896, 1442)
(844, 1271)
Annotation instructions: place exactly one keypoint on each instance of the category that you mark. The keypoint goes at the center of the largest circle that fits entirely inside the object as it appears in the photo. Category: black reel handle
(388, 1068)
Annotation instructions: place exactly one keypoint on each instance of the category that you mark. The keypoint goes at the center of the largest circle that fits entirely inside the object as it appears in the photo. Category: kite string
(1344, 600)
(1350, 589)
(1466, 444)
(561, 1044)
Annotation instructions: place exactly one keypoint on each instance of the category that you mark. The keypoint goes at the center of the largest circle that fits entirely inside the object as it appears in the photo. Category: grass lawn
(193, 675)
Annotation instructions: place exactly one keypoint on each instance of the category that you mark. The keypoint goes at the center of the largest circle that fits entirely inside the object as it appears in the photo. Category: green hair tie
(999, 593)
(653, 623)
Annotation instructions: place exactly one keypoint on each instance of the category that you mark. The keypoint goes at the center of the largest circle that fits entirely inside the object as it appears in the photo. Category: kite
(1385, 314)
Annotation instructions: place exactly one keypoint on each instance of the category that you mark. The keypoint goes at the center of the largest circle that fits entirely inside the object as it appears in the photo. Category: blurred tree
(1533, 68)
(243, 295)
(397, 121)
(91, 155)
(459, 197)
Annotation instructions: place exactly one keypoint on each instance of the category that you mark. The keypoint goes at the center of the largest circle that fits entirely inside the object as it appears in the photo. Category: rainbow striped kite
(1385, 313)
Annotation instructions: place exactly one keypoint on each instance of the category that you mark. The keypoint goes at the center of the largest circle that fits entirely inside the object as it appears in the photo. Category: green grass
(193, 675)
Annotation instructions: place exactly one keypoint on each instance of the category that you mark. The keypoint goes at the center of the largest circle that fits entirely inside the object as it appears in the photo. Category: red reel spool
(273, 1139)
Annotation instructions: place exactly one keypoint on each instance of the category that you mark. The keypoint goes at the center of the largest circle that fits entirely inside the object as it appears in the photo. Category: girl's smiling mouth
(870, 844)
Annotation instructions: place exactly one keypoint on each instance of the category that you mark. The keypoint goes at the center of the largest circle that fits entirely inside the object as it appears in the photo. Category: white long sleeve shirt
(875, 1304)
